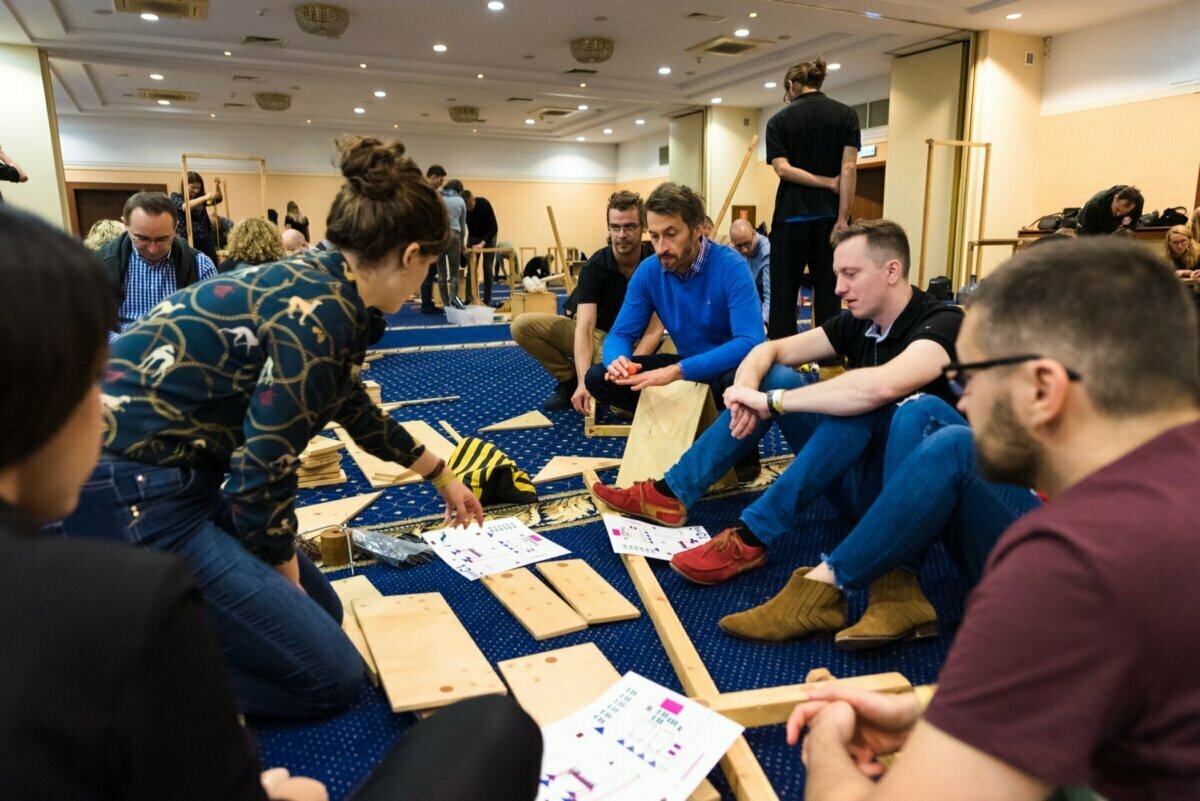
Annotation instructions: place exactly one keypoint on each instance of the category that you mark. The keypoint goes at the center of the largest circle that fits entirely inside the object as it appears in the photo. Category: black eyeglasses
(628, 229)
(959, 375)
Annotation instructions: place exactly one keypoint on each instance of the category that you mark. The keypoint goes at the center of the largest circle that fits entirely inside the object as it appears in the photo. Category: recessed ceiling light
(582, 107)
(639, 122)
(474, 130)
(229, 52)
(1013, 16)
(150, 17)
(439, 48)
(582, 85)
(362, 66)
(753, 14)
(479, 76)
(308, 122)
(495, 5)
(873, 14)
(608, 130)
(716, 101)
(742, 32)
(835, 66)
(530, 121)
(154, 76)
(212, 115)
(581, 139)
(395, 125)
(380, 93)
(164, 102)
(360, 110)
(770, 85)
(664, 70)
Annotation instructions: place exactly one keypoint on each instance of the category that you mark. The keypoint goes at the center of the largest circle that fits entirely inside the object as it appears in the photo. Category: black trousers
(794, 246)
(489, 274)
(481, 748)
(625, 398)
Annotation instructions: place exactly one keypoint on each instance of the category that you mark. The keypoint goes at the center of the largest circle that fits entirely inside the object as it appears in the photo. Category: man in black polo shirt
(894, 337)
(813, 146)
(482, 230)
(555, 340)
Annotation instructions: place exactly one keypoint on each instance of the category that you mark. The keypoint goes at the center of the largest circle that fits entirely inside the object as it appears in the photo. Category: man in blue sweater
(704, 296)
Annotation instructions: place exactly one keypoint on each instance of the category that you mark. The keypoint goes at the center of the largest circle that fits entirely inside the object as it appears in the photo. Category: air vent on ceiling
(181, 9)
(728, 46)
(236, 105)
(697, 16)
(553, 112)
(168, 94)
(580, 71)
(1028, 58)
(519, 100)
(249, 79)
(264, 41)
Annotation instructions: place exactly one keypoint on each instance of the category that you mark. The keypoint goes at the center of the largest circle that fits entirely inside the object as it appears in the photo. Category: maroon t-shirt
(1078, 659)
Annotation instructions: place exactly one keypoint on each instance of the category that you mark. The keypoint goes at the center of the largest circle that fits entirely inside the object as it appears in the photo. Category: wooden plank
(390, 405)
(386, 474)
(554, 684)
(667, 421)
(566, 466)
(426, 658)
(745, 775)
(533, 604)
(587, 592)
(332, 513)
(320, 446)
(449, 429)
(534, 419)
(340, 478)
(771, 705)
(348, 591)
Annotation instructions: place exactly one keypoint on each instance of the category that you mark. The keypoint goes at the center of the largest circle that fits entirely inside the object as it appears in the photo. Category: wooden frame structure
(262, 177)
(766, 706)
(930, 144)
(475, 268)
(975, 255)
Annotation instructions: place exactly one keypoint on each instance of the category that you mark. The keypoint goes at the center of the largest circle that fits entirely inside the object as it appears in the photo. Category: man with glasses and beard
(149, 262)
(567, 347)
(1075, 661)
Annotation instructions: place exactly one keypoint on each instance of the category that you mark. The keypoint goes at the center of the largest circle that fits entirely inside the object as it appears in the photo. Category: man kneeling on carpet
(555, 339)
(894, 337)
(704, 296)
(1075, 664)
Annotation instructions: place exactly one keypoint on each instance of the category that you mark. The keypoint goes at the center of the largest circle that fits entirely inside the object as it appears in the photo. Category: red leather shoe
(643, 501)
(723, 557)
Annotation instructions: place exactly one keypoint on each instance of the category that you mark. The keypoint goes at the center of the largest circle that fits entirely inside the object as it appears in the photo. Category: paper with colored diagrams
(653, 542)
(476, 551)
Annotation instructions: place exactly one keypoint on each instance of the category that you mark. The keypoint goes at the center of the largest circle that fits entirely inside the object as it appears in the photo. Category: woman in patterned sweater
(210, 399)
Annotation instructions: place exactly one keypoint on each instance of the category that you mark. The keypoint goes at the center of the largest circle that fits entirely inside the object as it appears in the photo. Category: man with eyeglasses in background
(148, 262)
(567, 347)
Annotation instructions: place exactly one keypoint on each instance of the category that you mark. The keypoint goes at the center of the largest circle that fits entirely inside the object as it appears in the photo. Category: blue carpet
(497, 382)
(442, 334)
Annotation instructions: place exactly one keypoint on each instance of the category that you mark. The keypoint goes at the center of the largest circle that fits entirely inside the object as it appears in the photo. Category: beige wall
(687, 146)
(728, 136)
(30, 135)
(1154, 144)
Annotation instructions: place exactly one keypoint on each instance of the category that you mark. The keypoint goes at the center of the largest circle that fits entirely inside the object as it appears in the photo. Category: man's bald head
(742, 236)
(293, 241)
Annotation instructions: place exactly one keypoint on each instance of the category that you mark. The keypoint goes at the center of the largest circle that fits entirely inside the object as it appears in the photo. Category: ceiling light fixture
(439, 48)
(228, 53)
(212, 115)
(362, 66)
(716, 101)
(742, 32)
(608, 130)
(380, 93)
(530, 121)
(582, 107)
(581, 139)
(753, 14)
(495, 5)
(164, 102)
(770, 85)
(582, 85)
(308, 122)
(479, 76)
(664, 70)
(359, 110)
(639, 122)
(873, 14)
(1013, 16)
(834, 66)
(154, 76)
(150, 17)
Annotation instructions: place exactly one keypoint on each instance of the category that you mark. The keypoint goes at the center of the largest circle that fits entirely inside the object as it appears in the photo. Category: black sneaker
(748, 468)
(561, 399)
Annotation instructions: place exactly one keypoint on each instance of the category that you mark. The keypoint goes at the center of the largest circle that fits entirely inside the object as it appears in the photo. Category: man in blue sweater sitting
(705, 298)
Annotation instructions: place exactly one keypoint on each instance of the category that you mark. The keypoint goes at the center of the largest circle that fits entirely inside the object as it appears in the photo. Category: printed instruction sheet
(653, 542)
(499, 545)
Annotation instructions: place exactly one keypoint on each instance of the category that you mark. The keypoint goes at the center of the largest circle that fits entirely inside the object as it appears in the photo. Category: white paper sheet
(637, 742)
(653, 542)
(500, 545)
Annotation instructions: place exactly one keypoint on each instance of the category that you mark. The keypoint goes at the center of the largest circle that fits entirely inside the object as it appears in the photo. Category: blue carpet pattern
(496, 381)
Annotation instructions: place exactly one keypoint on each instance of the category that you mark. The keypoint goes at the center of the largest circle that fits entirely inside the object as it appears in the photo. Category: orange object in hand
(633, 368)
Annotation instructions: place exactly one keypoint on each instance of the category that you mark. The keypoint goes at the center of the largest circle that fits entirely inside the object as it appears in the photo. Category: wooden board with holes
(381, 473)
(533, 604)
(587, 592)
(425, 657)
(567, 466)
(348, 591)
(532, 419)
(331, 513)
(667, 422)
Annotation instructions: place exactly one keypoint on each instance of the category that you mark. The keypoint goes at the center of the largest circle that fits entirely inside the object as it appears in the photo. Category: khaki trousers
(550, 338)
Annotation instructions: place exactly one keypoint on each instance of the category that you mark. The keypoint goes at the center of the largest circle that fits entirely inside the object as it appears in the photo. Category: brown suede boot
(898, 610)
(801, 609)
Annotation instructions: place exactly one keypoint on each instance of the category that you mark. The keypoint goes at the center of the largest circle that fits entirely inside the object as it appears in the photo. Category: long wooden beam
(771, 705)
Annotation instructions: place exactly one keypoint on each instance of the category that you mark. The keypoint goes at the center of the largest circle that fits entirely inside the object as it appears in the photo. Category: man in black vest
(148, 262)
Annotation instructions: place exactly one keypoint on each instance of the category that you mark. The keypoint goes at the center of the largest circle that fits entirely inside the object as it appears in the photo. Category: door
(868, 196)
(91, 202)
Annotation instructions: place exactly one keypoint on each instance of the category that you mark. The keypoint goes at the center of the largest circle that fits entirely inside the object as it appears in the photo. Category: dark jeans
(625, 398)
(480, 748)
(794, 245)
(285, 649)
(489, 262)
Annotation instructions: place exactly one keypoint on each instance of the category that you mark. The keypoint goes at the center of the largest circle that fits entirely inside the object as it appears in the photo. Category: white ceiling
(100, 58)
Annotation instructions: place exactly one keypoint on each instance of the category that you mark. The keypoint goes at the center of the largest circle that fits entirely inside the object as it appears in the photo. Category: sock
(661, 487)
(748, 536)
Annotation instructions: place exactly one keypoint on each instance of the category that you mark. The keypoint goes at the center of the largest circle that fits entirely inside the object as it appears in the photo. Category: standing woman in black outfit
(295, 219)
(813, 146)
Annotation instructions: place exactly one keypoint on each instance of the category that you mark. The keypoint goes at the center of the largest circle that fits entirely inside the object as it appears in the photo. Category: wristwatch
(775, 402)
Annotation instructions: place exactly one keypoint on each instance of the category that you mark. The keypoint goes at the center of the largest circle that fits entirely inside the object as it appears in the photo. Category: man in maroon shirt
(1076, 663)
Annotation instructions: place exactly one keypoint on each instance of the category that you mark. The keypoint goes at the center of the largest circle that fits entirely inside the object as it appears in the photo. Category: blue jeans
(839, 455)
(285, 649)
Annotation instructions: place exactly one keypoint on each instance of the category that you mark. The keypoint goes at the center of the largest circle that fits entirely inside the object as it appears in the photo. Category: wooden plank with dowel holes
(533, 604)
(554, 684)
(587, 592)
(348, 591)
(426, 658)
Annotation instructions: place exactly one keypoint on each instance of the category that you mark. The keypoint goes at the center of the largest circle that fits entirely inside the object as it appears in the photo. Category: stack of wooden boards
(321, 463)
(373, 391)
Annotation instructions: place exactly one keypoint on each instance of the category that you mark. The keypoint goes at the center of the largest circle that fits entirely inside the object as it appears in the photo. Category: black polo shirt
(601, 282)
(924, 317)
(810, 133)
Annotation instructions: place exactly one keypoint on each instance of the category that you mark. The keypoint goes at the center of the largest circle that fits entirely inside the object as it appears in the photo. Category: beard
(687, 256)
(1005, 451)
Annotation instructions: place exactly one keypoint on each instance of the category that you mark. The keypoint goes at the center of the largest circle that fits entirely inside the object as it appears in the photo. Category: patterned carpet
(495, 381)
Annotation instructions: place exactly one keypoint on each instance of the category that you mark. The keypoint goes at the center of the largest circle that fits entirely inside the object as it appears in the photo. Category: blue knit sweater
(714, 317)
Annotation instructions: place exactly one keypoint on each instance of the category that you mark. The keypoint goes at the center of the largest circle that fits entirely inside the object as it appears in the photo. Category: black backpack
(939, 288)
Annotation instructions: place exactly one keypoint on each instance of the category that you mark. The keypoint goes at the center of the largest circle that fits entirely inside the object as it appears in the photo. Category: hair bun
(817, 68)
(374, 167)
